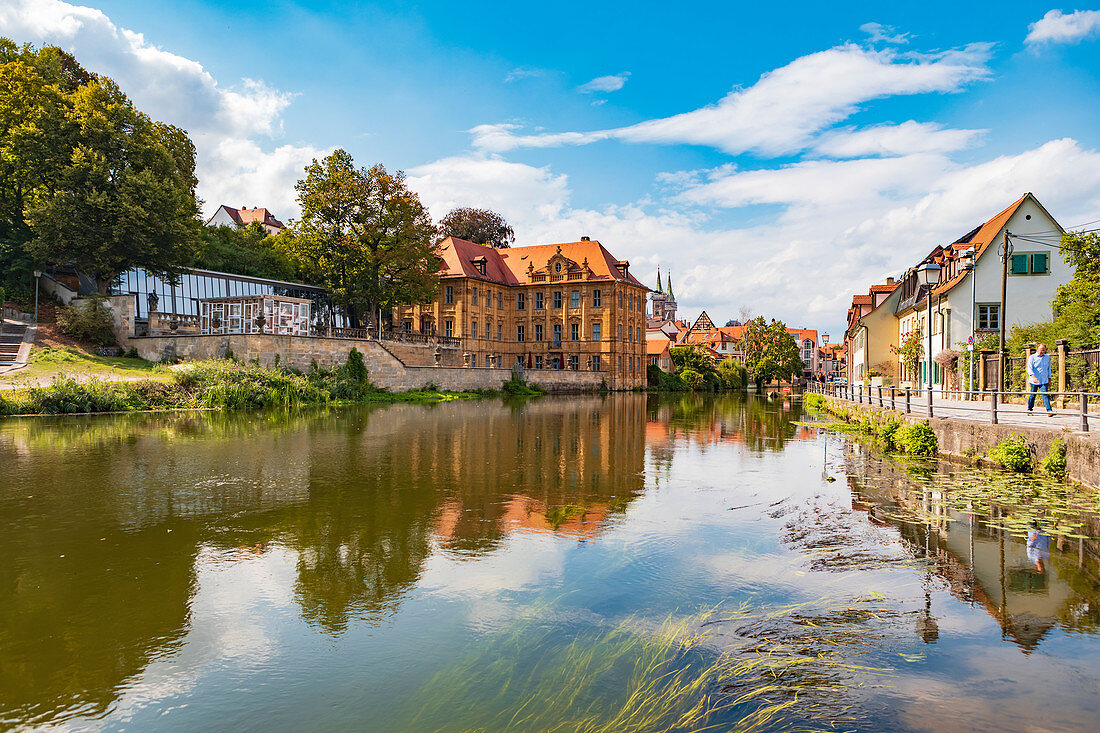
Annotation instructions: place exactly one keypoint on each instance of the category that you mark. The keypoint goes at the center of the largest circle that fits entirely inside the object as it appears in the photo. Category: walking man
(1038, 378)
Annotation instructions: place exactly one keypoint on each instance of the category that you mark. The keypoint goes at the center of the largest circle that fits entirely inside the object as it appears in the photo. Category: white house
(228, 216)
(1036, 268)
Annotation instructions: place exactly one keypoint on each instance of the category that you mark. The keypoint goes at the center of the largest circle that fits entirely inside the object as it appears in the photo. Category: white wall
(222, 218)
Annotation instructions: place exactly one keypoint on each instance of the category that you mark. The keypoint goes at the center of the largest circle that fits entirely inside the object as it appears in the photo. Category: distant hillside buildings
(228, 216)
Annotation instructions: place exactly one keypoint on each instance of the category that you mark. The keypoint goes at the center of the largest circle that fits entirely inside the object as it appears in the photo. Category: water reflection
(102, 519)
(1030, 584)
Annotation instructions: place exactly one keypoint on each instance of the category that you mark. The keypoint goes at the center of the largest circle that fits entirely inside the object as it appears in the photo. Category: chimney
(889, 281)
(584, 238)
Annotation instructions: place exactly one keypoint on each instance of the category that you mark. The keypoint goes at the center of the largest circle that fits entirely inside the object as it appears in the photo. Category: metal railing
(921, 401)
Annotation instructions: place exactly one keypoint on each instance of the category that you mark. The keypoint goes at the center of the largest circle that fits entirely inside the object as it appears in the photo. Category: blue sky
(779, 157)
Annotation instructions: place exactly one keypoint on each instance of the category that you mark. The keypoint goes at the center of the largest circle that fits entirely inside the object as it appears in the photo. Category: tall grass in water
(786, 671)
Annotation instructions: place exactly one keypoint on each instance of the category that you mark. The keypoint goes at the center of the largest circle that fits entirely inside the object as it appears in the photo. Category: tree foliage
(770, 352)
(480, 226)
(695, 359)
(85, 177)
(248, 250)
(1076, 304)
(365, 236)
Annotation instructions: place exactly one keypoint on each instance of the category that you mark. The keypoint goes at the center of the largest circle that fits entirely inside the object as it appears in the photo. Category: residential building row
(965, 304)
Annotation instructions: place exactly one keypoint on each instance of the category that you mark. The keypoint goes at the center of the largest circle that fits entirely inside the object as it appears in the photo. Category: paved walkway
(1011, 414)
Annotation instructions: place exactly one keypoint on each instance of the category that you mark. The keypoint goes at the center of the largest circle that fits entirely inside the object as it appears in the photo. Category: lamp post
(825, 350)
(966, 259)
(37, 275)
(928, 275)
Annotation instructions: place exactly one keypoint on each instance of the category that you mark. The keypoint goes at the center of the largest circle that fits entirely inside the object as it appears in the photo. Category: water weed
(1012, 453)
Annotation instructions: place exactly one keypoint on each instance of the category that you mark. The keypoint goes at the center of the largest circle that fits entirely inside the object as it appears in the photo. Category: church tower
(662, 301)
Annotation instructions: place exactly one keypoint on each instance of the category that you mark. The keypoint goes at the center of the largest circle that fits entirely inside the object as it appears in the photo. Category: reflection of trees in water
(361, 494)
(979, 563)
(759, 423)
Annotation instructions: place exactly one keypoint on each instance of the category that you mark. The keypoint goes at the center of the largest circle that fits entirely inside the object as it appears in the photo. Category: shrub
(1012, 453)
(692, 379)
(90, 321)
(888, 434)
(814, 401)
(516, 385)
(1055, 461)
(653, 375)
(916, 439)
(355, 368)
(133, 353)
(731, 375)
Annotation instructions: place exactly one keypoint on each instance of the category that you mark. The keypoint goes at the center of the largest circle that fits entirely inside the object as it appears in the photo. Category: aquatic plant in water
(743, 669)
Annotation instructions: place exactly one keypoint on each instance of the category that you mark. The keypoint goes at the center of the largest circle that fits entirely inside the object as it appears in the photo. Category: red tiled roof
(510, 266)
(861, 300)
(980, 240)
(247, 216)
(656, 347)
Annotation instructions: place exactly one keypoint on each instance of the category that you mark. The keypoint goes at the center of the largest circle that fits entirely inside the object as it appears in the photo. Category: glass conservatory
(274, 314)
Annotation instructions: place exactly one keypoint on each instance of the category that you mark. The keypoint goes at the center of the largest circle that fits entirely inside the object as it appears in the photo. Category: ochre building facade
(553, 306)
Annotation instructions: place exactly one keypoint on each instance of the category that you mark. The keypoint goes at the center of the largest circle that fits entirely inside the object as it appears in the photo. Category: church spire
(659, 288)
(669, 280)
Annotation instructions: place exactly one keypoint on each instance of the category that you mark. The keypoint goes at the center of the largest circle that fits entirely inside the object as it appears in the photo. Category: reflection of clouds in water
(236, 590)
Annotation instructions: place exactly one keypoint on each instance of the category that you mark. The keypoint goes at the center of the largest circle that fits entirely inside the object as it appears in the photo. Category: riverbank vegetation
(695, 370)
(217, 384)
(911, 438)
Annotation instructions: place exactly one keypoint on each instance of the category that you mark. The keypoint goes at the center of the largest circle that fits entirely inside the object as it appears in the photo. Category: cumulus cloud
(842, 224)
(783, 111)
(1059, 27)
(880, 33)
(611, 83)
(904, 139)
(227, 123)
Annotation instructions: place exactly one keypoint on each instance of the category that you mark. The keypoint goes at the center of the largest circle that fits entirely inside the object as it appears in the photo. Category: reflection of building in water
(981, 565)
(358, 494)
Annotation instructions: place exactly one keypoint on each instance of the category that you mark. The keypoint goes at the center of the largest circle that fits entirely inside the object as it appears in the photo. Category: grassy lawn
(48, 362)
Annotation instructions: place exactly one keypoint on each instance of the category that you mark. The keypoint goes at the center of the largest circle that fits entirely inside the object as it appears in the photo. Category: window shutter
(1019, 264)
(1039, 263)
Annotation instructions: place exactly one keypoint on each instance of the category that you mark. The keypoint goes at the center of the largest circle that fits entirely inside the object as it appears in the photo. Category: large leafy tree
(1076, 304)
(365, 236)
(770, 352)
(480, 226)
(85, 177)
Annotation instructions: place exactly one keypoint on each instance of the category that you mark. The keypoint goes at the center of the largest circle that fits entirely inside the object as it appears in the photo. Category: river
(615, 563)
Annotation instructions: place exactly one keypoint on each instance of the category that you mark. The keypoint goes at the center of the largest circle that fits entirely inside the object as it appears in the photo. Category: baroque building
(663, 302)
(552, 306)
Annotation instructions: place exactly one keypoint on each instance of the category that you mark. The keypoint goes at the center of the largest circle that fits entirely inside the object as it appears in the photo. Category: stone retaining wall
(970, 440)
(385, 370)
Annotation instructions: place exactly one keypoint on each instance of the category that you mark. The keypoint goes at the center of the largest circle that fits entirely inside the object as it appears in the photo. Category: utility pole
(1006, 252)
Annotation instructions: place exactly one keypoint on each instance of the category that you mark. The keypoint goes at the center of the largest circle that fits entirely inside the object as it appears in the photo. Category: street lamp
(37, 275)
(966, 260)
(928, 275)
(825, 350)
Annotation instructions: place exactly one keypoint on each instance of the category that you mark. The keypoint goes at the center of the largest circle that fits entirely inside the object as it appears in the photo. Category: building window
(632, 365)
(620, 332)
(632, 301)
(574, 362)
(574, 332)
(488, 298)
(557, 335)
(596, 299)
(575, 299)
(557, 299)
(620, 363)
(519, 334)
(500, 332)
(449, 295)
(630, 333)
(407, 326)
(449, 329)
(473, 329)
(620, 300)
(538, 301)
(500, 301)
(521, 301)
(473, 359)
(474, 299)
(538, 362)
(596, 363)
(989, 317)
(596, 332)
(538, 332)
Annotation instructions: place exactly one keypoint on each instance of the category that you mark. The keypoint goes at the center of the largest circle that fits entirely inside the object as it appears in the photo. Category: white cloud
(1058, 27)
(783, 111)
(226, 123)
(904, 139)
(523, 72)
(842, 224)
(611, 83)
(880, 33)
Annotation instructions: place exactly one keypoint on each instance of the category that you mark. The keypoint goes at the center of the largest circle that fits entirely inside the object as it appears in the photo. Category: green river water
(619, 563)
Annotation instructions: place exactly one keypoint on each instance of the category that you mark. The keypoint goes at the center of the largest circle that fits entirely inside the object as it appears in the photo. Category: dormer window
(557, 267)
(479, 263)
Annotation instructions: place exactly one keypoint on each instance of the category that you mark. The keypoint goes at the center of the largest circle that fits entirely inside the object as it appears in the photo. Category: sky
(774, 157)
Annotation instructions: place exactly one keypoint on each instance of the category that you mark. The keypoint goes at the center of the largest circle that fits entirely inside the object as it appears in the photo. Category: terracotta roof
(980, 239)
(511, 266)
(862, 300)
(885, 288)
(655, 347)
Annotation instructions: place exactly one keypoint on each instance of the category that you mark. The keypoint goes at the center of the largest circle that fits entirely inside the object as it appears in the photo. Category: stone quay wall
(385, 369)
(970, 441)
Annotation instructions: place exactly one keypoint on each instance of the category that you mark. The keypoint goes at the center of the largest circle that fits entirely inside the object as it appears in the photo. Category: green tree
(365, 236)
(770, 352)
(248, 250)
(694, 358)
(480, 226)
(731, 375)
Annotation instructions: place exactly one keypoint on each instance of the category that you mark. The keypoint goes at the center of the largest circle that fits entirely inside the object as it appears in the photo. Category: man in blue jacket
(1038, 378)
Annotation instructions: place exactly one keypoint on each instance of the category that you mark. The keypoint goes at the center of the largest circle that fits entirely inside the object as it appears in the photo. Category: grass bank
(50, 362)
(218, 384)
